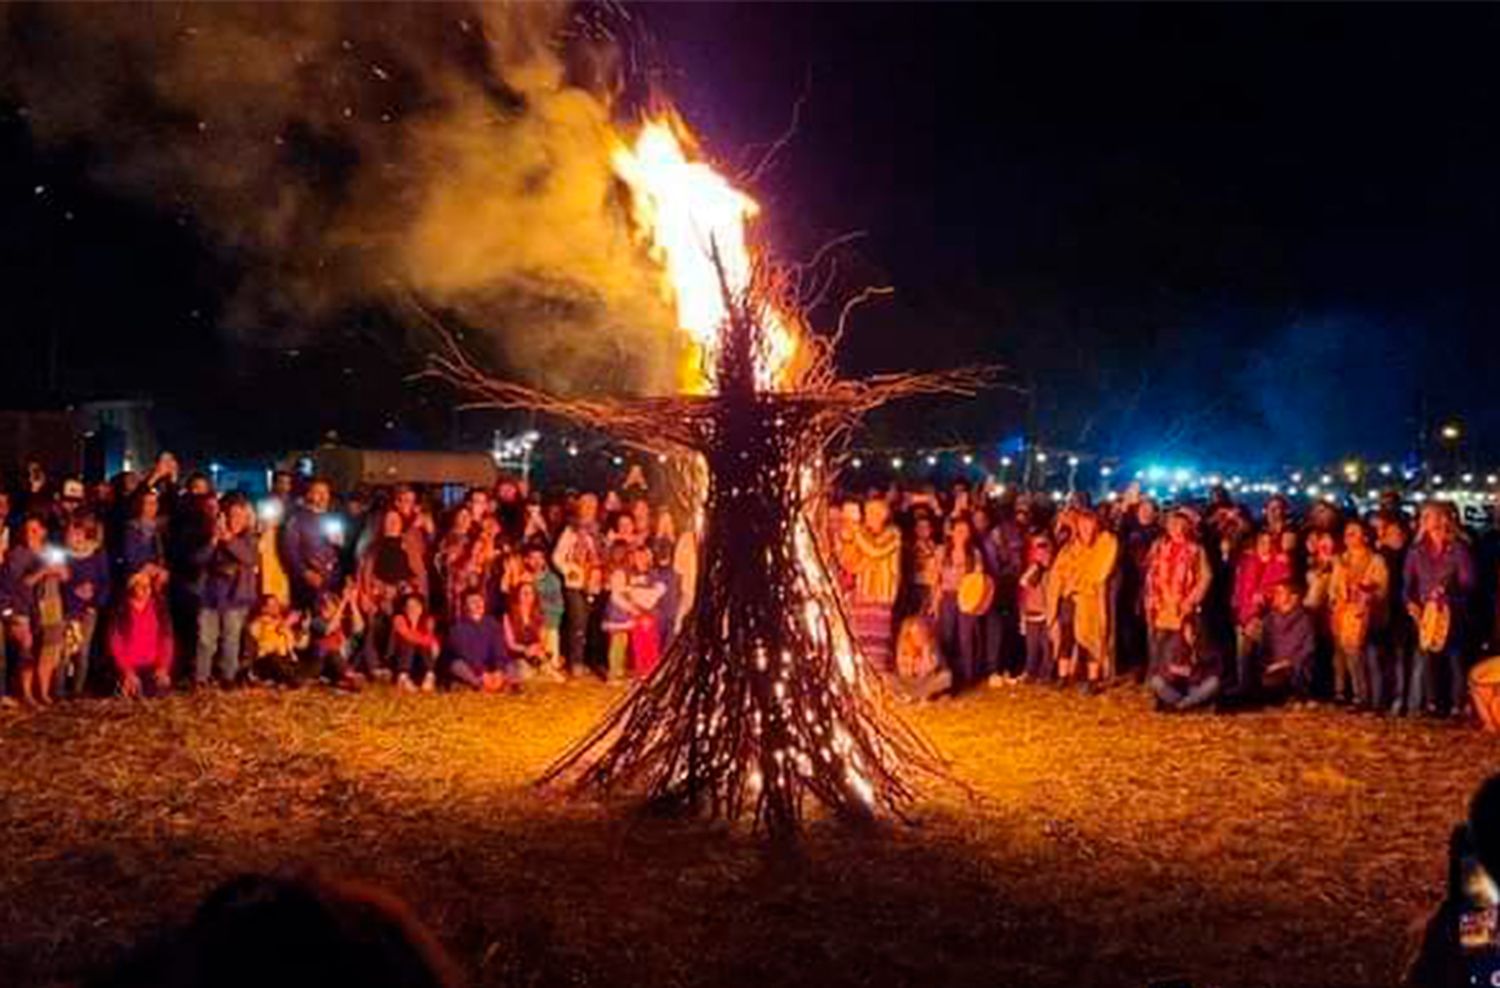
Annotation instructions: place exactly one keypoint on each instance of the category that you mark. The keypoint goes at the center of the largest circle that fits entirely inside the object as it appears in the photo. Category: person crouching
(1290, 644)
(476, 648)
(275, 636)
(336, 626)
(413, 639)
(1186, 678)
(140, 639)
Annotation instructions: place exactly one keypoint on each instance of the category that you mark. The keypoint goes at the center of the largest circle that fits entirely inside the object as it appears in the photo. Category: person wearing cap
(70, 501)
(86, 595)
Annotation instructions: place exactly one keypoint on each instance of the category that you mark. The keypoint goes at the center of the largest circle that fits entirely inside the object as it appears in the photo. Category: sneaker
(996, 680)
(8, 703)
(381, 675)
(404, 684)
(429, 683)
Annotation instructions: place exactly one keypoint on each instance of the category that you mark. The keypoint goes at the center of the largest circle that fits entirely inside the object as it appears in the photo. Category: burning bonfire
(762, 706)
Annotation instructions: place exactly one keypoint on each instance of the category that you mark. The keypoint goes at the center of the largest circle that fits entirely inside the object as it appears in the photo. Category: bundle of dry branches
(762, 699)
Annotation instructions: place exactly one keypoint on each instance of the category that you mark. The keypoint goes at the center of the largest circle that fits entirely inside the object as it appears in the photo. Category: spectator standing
(1034, 606)
(86, 595)
(958, 631)
(877, 573)
(1178, 577)
(1080, 582)
(1438, 578)
(231, 583)
(314, 539)
(1260, 569)
(579, 557)
(142, 544)
(31, 601)
(1400, 636)
(1359, 594)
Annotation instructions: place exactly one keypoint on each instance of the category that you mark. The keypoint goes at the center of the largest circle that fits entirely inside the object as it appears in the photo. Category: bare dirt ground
(1102, 845)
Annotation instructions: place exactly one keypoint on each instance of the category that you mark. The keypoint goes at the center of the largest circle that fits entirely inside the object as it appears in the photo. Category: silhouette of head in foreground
(259, 931)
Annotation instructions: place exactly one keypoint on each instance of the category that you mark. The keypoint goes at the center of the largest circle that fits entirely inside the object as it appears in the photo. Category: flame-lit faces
(695, 223)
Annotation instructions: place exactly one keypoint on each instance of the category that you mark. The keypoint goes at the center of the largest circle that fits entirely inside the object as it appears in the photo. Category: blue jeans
(1422, 693)
(1166, 647)
(220, 632)
(958, 641)
(1038, 651)
(1374, 677)
(1175, 698)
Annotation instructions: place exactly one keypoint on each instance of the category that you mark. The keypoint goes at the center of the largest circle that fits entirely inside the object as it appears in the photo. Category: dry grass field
(1102, 844)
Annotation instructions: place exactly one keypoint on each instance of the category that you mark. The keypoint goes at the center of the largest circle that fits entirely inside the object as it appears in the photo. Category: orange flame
(687, 212)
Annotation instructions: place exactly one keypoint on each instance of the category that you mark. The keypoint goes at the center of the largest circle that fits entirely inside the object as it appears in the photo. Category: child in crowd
(1290, 642)
(630, 618)
(919, 673)
(646, 590)
(413, 639)
(275, 634)
(549, 595)
(476, 648)
(1032, 593)
(140, 639)
(336, 626)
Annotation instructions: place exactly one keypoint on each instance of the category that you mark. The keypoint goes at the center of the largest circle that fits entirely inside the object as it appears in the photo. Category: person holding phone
(1461, 945)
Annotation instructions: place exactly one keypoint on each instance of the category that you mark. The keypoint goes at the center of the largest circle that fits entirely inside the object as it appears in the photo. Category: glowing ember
(689, 214)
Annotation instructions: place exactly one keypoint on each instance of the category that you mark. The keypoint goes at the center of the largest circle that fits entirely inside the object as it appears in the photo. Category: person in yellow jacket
(273, 577)
(1078, 601)
(1359, 596)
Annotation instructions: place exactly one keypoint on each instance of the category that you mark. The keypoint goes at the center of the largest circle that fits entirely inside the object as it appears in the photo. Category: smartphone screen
(1476, 902)
(1478, 905)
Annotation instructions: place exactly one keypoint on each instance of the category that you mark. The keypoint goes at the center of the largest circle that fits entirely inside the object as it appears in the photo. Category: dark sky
(1233, 233)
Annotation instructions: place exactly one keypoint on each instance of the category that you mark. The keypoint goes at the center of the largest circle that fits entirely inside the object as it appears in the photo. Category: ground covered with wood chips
(1102, 845)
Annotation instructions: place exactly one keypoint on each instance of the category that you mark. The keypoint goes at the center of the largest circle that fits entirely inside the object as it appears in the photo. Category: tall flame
(689, 214)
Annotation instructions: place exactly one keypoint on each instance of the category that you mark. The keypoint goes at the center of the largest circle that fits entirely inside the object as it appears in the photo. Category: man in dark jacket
(230, 583)
(314, 537)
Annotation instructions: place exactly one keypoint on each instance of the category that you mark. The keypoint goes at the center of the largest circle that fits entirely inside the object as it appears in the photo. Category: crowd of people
(1207, 604)
(178, 585)
(156, 581)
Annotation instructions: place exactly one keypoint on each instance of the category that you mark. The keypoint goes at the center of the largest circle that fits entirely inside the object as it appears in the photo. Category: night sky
(1218, 234)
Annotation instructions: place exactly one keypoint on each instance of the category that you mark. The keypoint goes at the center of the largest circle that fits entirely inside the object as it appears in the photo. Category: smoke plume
(336, 153)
